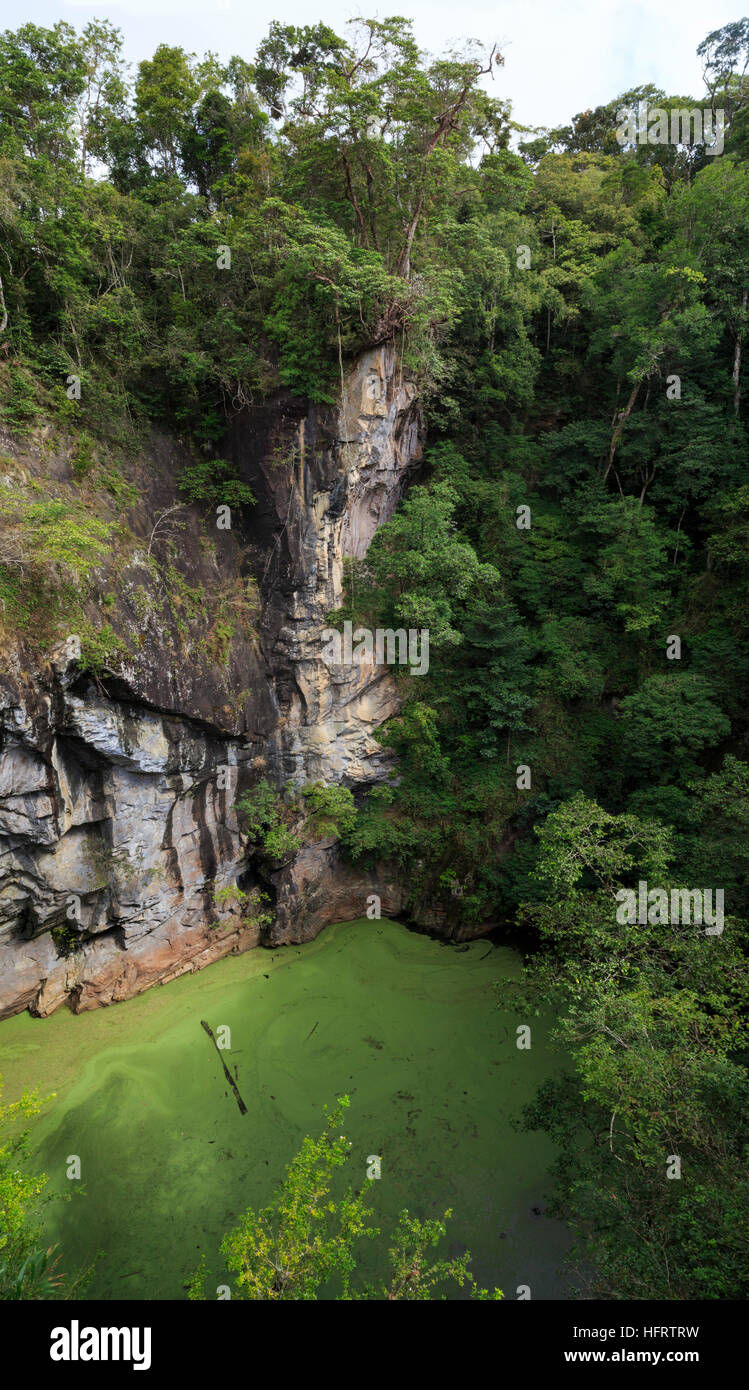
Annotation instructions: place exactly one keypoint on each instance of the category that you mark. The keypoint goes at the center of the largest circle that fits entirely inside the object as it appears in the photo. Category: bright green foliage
(302, 1246)
(50, 534)
(28, 1268)
(292, 1248)
(249, 905)
(413, 1278)
(264, 819)
(102, 651)
(575, 318)
(120, 280)
(321, 810)
(213, 482)
(26, 1271)
(583, 843)
(595, 386)
(330, 810)
(370, 121)
(422, 569)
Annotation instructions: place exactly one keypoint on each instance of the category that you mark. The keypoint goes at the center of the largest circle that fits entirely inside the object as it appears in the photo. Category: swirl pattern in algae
(407, 1026)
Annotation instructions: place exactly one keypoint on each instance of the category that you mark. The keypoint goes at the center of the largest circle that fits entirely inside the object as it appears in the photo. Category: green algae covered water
(406, 1026)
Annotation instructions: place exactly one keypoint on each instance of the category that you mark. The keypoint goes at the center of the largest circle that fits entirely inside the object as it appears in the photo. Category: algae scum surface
(404, 1025)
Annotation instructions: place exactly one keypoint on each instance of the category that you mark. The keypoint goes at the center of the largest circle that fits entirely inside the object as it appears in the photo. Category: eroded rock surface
(114, 831)
(116, 797)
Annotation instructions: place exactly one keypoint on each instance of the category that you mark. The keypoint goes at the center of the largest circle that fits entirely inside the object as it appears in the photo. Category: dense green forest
(573, 310)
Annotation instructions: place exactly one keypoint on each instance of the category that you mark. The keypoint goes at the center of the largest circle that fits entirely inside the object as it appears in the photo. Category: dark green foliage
(265, 820)
(213, 482)
(575, 316)
(650, 1012)
(67, 940)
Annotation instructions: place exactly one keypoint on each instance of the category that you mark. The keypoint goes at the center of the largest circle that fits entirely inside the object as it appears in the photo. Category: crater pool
(406, 1026)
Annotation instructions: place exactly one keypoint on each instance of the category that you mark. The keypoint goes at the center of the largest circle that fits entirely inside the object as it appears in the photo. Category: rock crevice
(117, 822)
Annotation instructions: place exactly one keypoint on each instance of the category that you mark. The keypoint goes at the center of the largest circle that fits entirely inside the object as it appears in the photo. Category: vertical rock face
(349, 484)
(116, 819)
(352, 471)
(114, 831)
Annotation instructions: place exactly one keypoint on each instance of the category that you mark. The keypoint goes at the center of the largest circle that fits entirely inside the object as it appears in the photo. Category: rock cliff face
(345, 479)
(115, 831)
(116, 792)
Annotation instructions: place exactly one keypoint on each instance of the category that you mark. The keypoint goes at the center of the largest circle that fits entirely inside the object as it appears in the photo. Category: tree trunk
(352, 199)
(403, 263)
(737, 361)
(619, 426)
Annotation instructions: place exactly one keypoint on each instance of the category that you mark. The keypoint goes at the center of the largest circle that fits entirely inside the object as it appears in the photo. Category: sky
(561, 56)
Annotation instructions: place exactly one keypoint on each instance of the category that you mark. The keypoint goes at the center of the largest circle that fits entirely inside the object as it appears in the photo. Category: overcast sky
(561, 56)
